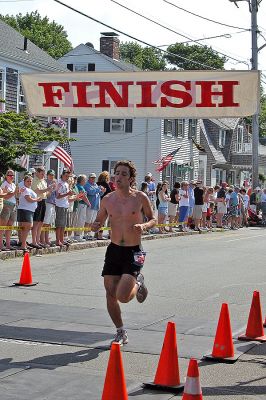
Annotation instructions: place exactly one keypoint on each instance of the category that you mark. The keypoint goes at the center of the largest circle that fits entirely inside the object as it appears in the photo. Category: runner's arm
(148, 212)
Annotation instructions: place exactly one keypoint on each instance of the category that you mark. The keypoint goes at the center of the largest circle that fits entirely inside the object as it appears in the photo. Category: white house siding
(188, 153)
(93, 145)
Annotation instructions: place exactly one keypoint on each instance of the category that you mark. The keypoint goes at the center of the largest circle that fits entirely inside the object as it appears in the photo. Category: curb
(7, 255)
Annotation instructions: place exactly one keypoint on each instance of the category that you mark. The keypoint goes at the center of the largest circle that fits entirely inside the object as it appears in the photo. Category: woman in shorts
(27, 205)
(163, 206)
(7, 216)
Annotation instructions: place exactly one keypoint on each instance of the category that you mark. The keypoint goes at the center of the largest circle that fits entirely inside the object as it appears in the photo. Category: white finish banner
(186, 94)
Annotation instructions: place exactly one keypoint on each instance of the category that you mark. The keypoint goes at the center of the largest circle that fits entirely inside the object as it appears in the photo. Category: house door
(54, 164)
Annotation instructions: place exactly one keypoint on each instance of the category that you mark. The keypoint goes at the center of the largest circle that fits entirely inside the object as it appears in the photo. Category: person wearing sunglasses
(7, 216)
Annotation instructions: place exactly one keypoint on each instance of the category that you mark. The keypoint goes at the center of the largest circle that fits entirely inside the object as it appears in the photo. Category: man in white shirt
(61, 206)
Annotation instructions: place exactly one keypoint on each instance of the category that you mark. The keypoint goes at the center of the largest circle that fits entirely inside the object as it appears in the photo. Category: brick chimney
(109, 44)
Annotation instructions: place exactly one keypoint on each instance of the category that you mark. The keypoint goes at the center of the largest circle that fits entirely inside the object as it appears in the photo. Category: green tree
(19, 135)
(146, 58)
(204, 55)
(49, 36)
(262, 116)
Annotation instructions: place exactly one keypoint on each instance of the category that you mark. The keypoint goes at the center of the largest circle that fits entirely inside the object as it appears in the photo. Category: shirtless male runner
(124, 257)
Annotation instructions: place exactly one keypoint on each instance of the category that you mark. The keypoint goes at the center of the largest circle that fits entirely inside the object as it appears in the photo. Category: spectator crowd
(40, 201)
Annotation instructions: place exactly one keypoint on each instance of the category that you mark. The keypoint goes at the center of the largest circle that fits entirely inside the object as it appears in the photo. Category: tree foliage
(49, 36)
(19, 135)
(204, 55)
(146, 58)
(262, 115)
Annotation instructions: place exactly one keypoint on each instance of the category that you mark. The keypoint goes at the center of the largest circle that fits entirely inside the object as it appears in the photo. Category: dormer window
(222, 137)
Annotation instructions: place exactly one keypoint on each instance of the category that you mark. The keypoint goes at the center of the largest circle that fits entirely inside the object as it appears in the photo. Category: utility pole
(255, 117)
(253, 8)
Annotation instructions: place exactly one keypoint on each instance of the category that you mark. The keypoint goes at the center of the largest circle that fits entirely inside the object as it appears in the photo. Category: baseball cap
(257, 188)
(50, 172)
(149, 174)
(32, 170)
(65, 171)
(92, 175)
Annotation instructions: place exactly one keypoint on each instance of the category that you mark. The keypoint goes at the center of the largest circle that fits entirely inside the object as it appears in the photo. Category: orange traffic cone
(223, 347)
(115, 384)
(192, 390)
(254, 329)
(167, 374)
(25, 276)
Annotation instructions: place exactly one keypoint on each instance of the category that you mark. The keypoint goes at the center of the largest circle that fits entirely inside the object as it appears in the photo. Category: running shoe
(121, 337)
(142, 292)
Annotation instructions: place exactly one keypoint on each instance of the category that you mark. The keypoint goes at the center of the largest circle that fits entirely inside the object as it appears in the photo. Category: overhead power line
(205, 18)
(180, 34)
(133, 37)
(159, 24)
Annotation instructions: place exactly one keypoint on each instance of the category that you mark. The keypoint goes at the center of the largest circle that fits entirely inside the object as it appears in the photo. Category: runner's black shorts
(119, 260)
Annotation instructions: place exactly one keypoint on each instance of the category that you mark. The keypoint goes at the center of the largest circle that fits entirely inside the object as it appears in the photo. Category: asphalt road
(53, 336)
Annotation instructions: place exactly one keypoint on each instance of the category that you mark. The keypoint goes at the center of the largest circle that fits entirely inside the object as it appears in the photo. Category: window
(169, 127)
(118, 125)
(21, 100)
(91, 67)
(180, 127)
(192, 128)
(81, 67)
(222, 137)
(219, 176)
(73, 125)
(240, 139)
(174, 127)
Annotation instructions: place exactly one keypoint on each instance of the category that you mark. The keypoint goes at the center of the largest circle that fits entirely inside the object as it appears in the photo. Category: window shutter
(73, 125)
(107, 125)
(91, 67)
(176, 127)
(105, 165)
(164, 126)
(129, 125)
(70, 67)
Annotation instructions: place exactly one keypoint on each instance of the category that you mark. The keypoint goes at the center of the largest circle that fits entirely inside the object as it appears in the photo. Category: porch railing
(242, 148)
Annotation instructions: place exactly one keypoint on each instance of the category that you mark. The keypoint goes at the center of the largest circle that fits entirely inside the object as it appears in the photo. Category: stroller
(253, 218)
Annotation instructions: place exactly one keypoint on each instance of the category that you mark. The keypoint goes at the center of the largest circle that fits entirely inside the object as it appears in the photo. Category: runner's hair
(131, 166)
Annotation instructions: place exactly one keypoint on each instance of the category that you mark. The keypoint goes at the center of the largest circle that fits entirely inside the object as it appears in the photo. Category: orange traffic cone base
(249, 339)
(169, 389)
(227, 360)
(25, 284)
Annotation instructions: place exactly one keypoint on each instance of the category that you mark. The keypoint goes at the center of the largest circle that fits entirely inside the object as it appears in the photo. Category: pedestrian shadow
(55, 336)
(234, 391)
(51, 362)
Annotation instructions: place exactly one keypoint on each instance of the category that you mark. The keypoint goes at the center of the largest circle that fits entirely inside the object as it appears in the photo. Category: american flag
(24, 161)
(164, 161)
(63, 153)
